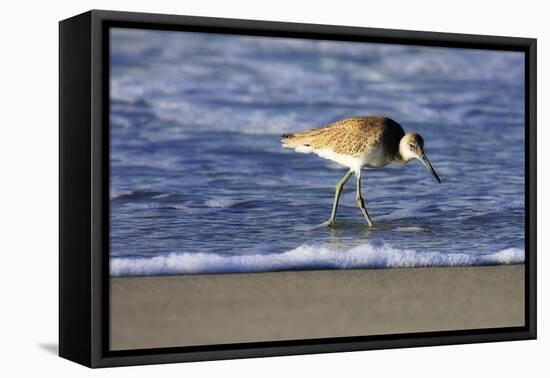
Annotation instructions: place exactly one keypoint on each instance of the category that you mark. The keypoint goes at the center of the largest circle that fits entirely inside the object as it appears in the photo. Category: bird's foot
(329, 223)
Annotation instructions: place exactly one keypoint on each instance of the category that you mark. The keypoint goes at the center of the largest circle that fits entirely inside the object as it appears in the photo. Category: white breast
(352, 162)
(374, 158)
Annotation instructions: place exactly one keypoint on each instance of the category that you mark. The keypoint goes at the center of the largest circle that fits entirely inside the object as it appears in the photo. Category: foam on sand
(307, 257)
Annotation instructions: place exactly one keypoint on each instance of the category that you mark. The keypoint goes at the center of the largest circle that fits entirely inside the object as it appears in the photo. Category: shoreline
(185, 310)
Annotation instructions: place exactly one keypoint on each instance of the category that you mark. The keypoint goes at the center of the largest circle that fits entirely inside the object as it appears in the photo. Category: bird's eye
(411, 145)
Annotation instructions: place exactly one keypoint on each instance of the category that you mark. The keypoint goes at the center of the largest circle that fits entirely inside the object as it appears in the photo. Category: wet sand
(168, 311)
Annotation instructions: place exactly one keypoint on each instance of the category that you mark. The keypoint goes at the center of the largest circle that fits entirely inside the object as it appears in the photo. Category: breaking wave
(307, 257)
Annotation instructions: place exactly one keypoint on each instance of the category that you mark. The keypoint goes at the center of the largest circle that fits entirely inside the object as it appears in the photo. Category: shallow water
(200, 183)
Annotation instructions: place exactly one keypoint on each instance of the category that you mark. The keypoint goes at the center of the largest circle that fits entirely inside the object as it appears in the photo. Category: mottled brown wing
(350, 136)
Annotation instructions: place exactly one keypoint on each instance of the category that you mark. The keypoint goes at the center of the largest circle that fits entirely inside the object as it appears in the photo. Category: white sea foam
(264, 73)
(411, 229)
(114, 194)
(370, 255)
(223, 203)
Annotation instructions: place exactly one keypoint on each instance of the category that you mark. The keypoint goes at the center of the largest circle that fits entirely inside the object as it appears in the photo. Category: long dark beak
(426, 162)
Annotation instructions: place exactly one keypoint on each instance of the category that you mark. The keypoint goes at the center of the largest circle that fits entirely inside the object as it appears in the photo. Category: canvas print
(232, 155)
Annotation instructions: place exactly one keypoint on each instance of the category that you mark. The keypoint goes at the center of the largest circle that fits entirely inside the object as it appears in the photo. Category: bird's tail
(288, 140)
(298, 142)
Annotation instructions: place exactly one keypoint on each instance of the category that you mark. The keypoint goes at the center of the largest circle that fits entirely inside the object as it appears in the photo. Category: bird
(372, 141)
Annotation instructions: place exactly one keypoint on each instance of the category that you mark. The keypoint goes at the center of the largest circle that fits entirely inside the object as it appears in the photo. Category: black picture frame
(83, 195)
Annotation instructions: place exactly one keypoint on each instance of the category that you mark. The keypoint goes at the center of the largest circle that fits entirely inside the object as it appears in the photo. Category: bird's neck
(403, 155)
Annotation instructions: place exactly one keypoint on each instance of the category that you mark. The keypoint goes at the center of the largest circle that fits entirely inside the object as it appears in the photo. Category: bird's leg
(339, 186)
(360, 202)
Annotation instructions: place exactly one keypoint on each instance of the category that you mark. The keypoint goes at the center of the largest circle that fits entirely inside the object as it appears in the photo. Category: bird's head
(411, 147)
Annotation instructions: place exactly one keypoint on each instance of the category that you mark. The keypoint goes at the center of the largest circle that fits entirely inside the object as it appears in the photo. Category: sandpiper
(357, 143)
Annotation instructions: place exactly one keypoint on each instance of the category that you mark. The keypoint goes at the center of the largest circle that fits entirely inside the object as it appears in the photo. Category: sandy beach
(167, 311)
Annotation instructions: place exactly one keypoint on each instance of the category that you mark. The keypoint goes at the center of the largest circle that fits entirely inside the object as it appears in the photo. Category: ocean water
(200, 184)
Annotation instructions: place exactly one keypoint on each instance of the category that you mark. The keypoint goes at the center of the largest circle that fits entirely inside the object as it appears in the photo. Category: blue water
(200, 184)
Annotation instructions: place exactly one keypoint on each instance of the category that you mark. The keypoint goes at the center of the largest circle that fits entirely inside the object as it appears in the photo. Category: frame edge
(75, 336)
(531, 116)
